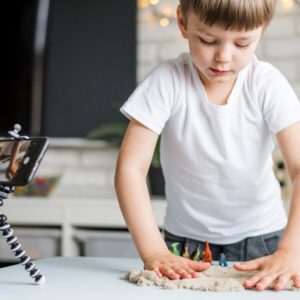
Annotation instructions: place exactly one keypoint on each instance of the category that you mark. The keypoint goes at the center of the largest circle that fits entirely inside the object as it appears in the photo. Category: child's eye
(208, 43)
(242, 46)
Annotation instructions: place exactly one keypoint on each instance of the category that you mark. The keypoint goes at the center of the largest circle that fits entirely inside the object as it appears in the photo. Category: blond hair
(231, 14)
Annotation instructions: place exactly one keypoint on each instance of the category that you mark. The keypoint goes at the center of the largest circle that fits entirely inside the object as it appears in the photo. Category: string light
(165, 14)
(143, 3)
(287, 4)
(154, 2)
(164, 22)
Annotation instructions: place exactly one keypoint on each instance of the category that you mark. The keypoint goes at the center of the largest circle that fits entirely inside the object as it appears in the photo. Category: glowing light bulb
(154, 2)
(164, 22)
(287, 4)
(143, 3)
(167, 10)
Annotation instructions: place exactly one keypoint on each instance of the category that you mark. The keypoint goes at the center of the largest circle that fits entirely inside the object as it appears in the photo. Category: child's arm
(284, 264)
(130, 182)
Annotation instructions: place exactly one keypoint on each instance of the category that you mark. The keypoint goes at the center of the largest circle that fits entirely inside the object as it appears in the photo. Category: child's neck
(218, 93)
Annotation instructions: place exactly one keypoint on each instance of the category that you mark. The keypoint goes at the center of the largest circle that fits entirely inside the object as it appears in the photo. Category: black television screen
(17, 50)
(77, 75)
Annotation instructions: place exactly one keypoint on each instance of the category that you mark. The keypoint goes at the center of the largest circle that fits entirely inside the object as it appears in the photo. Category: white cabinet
(82, 208)
(73, 218)
(105, 243)
(37, 242)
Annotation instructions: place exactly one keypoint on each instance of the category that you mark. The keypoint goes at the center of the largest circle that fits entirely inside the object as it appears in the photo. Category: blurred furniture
(79, 223)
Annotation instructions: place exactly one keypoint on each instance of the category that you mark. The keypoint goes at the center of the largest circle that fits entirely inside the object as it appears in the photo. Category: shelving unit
(68, 215)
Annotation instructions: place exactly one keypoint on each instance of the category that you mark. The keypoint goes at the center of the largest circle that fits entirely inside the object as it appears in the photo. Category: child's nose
(223, 54)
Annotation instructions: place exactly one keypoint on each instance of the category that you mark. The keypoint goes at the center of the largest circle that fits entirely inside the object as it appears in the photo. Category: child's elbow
(129, 170)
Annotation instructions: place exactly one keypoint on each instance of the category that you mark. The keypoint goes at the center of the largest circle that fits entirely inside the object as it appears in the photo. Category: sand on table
(215, 279)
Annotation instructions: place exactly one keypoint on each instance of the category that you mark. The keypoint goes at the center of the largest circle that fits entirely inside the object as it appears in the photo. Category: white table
(88, 278)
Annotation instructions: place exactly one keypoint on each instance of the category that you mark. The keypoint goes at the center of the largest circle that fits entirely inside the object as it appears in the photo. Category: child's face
(218, 54)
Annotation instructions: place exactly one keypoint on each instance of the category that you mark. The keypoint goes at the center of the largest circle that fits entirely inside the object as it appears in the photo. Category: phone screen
(19, 159)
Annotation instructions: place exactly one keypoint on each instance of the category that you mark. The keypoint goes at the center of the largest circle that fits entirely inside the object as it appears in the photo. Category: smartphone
(20, 159)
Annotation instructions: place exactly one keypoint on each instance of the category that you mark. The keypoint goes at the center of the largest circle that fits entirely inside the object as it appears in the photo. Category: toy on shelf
(41, 186)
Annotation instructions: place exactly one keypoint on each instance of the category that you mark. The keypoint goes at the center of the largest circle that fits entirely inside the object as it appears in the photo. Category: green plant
(110, 132)
(113, 133)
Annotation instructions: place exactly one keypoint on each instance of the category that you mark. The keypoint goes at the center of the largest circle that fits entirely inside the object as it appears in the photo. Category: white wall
(280, 45)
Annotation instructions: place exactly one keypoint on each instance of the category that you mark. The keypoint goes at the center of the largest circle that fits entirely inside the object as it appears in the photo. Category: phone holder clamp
(15, 133)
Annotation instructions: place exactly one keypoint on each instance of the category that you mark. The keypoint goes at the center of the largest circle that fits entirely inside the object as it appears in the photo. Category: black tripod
(8, 232)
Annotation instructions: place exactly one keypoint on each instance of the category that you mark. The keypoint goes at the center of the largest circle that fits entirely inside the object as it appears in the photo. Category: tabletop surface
(99, 278)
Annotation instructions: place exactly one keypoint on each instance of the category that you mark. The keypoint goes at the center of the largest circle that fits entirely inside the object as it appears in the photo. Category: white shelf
(71, 213)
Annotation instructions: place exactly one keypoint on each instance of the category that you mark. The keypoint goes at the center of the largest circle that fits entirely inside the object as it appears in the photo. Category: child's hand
(275, 271)
(173, 266)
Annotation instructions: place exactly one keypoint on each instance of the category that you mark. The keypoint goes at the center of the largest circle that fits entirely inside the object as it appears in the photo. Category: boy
(218, 109)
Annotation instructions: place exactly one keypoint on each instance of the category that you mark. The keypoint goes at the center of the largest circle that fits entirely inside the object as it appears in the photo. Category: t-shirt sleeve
(151, 102)
(279, 104)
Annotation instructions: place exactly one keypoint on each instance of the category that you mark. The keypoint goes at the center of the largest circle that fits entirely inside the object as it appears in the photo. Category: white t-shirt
(217, 159)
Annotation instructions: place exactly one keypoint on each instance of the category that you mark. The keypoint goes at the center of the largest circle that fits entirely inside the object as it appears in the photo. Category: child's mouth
(220, 72)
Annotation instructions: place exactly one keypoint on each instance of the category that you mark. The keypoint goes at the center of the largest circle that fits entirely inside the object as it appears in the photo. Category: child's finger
(169, 272)
(156, 270)
(266, 281)
(296, 280)
(193, 273)
(282, 281)
(248, 265)
(182, 272)
(199, 266)
(252, 281)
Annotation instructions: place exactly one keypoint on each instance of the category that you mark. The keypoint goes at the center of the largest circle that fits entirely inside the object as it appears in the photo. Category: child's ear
(182, 22)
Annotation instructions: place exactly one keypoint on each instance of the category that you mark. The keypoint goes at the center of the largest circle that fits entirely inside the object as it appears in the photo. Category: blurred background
(68, 66)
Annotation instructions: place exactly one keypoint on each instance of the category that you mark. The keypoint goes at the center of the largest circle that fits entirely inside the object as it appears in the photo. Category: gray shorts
(247, 249)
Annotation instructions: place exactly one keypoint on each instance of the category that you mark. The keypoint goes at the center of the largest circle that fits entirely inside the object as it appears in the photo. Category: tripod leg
(15, 247)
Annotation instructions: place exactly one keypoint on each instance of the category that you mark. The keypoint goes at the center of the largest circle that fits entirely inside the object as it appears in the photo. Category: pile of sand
(215, 279)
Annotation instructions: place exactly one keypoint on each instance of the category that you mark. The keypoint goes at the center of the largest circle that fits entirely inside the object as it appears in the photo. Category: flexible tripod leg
(15, 247)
